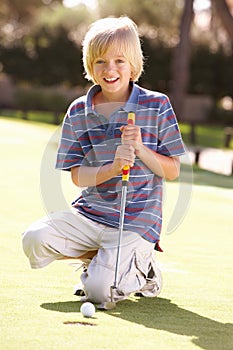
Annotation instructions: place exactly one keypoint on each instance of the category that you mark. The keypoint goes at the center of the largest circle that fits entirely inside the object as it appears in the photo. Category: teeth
(110, 79)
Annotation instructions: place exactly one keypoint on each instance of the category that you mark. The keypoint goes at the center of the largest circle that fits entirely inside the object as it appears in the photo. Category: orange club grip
(126, 169)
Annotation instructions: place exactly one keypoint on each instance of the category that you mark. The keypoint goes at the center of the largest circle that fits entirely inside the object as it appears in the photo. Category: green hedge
(27, 99)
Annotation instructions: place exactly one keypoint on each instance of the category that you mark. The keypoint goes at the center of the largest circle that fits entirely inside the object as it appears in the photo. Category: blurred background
(188, 46)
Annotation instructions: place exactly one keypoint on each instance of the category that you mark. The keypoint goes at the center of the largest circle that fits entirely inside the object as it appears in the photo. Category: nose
(110, 66)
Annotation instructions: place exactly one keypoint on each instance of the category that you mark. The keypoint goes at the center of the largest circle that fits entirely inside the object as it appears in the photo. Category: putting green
(38, 310)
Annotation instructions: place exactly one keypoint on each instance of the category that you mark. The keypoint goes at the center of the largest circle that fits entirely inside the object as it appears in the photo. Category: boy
(96, 144)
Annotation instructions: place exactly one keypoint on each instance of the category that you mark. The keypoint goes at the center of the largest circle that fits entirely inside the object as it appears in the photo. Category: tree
(155, 18)
(57, 58)
(17, 17)
(180, 68)
(54, 59)
(224, 14)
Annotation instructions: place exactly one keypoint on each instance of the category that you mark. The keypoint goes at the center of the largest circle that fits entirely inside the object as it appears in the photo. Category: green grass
(36, 116)
(38, 310)
(206, 135)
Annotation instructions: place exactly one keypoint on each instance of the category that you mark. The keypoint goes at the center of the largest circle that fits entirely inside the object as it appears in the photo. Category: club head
(108, 305)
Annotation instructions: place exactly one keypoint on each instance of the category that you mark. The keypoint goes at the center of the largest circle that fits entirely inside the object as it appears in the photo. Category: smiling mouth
(110, 80)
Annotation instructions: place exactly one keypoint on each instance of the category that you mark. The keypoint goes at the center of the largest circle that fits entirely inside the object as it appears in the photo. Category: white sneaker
(79, 290)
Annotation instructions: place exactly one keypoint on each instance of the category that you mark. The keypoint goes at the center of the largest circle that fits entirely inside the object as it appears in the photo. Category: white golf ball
(87, 309)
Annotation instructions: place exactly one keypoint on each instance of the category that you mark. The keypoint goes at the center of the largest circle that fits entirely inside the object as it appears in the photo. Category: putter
(125, 180)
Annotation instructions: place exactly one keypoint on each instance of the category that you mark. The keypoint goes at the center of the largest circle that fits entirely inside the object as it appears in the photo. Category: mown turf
(38, 310)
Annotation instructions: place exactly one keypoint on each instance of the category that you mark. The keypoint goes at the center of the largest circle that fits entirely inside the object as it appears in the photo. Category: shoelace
(81, 264)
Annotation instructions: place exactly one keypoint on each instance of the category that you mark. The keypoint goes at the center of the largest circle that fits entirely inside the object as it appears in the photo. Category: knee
(33, 238)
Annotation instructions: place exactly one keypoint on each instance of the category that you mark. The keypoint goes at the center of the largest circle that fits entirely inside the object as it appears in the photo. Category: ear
(132, 77)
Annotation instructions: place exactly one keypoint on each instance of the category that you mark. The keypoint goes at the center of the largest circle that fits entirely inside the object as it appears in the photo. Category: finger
(131, 127)
(126, 156)
(128, 130)
(134, 132)
(125, 162)
(132, 137)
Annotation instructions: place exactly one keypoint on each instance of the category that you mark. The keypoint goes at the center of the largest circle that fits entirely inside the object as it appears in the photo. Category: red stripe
(71, 148)
(67, 161)
(166, 136)
(140, 209)
(98, 137)
(66, 131)
(79, 105)
(154, 99)
(105, 152)
(146, 233)
(176, 148)
(166, 119)
(147, 118)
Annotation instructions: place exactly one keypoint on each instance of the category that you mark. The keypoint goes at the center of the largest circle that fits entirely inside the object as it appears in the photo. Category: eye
(120, 60)
(99, 61)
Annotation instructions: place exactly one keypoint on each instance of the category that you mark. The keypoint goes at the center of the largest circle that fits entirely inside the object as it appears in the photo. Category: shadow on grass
(63, 306)
(162, 314)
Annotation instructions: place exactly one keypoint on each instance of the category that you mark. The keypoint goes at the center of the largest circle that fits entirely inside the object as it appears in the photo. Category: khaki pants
(70, 234)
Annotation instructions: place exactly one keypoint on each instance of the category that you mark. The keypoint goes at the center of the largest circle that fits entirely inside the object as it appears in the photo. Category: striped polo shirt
(89, 139)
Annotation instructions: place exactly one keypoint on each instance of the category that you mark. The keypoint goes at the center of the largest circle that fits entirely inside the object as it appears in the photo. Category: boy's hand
(131, 135)
(131, 144)
(125, 155)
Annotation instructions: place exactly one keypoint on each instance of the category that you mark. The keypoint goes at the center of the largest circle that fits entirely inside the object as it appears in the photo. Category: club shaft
(125, 180)
(121, 226)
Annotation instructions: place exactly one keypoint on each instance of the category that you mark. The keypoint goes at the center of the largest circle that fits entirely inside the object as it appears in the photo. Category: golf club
(125, 179)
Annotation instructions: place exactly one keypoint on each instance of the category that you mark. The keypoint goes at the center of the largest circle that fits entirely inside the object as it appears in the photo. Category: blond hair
(120, 33)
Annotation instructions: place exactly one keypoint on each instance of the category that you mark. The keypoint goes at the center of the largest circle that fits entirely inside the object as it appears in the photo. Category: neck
(121, 97)
(106, 103)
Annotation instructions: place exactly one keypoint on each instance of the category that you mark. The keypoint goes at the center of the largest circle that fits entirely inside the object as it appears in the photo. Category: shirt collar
(91, 92)
(129, 106)
(132, 103)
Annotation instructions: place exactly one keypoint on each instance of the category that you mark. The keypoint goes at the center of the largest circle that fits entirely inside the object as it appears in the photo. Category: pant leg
(62, 234)
(135, 263)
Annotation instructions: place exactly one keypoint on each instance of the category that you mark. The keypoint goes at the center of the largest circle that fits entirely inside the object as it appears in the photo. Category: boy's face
(112, 72)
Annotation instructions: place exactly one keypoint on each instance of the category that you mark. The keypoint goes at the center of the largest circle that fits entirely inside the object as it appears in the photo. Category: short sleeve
(69, 151)
(170, 142)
